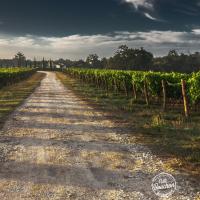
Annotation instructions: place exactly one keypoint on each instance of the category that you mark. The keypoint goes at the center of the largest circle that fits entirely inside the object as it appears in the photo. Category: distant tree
(69, 63)
(128, 58)
(142, 59)
(93, 61)
(20, 59)
(173, 53)
(104, 63)
(178, 62)
(51, 64)
(80, 63)
(124, 58)
(122, 50)
(30, 63)
(34, 63)
(44, 63)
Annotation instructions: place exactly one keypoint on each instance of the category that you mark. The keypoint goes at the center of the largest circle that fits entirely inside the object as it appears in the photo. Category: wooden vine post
(134, 92)
(185, 99)
(115, 85)
(164, 94)
(125, 88)
(146, 93)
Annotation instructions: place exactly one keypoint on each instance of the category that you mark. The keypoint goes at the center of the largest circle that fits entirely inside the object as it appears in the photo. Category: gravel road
(55, 146)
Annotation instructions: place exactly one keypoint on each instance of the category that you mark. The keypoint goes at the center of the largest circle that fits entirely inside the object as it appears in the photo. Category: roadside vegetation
(9, 76)
(12, 95)
(168, 133)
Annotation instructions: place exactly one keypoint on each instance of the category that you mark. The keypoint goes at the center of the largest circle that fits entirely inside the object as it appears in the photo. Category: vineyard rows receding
(9, 76)
(137, 83)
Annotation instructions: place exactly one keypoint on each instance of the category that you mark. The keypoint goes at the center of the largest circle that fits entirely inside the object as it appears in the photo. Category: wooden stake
(146, 93)
(164, 94)
(185, 99)
(134, 92)
(125, 88)
(115, 85)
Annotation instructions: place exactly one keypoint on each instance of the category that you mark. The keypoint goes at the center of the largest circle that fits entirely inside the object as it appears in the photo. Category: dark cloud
(61, 18)
(67, 27)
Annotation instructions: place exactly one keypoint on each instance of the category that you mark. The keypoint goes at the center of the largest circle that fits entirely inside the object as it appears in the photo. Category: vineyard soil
(56, 146)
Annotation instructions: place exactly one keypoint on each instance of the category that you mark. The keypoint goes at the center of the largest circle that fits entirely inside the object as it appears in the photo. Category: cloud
(150, 17)
(80, 46)
(196, 31)
(148, 4)
(143, 6)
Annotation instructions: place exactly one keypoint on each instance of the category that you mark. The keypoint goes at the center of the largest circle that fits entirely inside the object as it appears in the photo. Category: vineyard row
(150, 84)
(10, 76)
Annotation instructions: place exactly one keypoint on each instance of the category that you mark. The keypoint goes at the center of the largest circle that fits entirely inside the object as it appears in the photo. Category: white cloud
(148, 4)
(196, 31)
(79, 46)
(150, 17)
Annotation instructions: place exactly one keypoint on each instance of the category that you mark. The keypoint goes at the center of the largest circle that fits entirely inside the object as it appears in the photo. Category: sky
(73, 29)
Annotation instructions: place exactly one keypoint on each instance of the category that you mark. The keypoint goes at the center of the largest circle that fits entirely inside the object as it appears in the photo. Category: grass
(12, 96)
(168, 134)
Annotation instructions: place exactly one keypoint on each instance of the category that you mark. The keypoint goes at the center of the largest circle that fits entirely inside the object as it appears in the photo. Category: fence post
(185, 99)
(164, 94)
(146, 93)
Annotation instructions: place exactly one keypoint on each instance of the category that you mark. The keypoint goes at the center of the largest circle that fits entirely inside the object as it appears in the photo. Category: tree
(93, 61)
(173, 53)
(44, 63)
(128, 58)
(104, 63)
(178, 62)
(20, 59)
(142, 59)
(51, 64)
(35, 63)
(122, 51)
(80, 63)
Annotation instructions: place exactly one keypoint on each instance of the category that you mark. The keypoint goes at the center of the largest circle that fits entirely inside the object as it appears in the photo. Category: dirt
(55, 146)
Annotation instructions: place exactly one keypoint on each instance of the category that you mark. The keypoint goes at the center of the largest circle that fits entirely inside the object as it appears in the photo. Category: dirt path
(57, 147)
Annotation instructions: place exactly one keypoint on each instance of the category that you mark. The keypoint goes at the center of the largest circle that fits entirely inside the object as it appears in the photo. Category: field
(76, 135)
(123, 92)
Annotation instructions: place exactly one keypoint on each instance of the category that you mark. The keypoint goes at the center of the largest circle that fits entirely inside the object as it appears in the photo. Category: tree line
(124, 58)
(140, 59)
